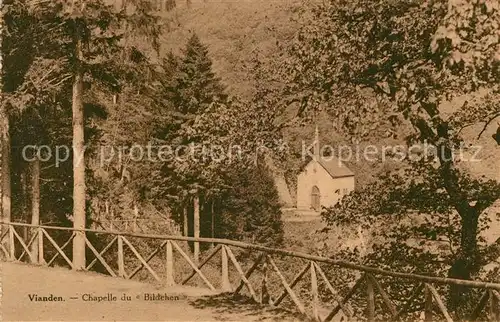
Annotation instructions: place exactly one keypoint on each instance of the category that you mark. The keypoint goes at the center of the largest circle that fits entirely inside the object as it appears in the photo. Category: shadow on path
(244, 307)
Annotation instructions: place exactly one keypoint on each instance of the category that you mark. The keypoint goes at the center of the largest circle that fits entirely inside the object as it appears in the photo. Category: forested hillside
(117, 110)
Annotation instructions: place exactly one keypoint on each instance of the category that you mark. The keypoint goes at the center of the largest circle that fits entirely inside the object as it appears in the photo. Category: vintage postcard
(250, 160)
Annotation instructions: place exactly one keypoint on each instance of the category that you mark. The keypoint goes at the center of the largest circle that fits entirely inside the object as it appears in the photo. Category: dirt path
(77, 293)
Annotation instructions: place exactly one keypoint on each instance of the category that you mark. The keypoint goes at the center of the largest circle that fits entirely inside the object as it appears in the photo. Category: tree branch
(490, 119)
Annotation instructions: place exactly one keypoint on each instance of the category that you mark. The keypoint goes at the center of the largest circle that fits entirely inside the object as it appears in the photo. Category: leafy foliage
(411, 57)
(250, 208)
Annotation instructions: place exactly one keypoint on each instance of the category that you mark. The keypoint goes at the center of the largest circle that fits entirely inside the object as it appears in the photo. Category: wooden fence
(254, 270)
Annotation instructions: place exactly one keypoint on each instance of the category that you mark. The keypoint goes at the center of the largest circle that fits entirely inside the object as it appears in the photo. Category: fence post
(212, 224)
(428, 304)
(41, 259)
(494, 306)
(185, 222)
(370, 293)
(225, 283)
(121, 263)
(314, 291)
(35, 205)
(264, 293)
(170, 264)
(11, 243)
(25, 234)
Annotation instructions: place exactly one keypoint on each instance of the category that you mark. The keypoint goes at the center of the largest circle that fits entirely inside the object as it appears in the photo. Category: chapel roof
(332, 164)
(335, 167)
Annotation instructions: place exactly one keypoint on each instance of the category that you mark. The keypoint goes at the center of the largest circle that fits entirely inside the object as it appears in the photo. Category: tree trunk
(35, 202)
(78, 164)
(468, 242)
(24, 196)
(5, 150)
(185, 222)
(467, 262)
(6, 155)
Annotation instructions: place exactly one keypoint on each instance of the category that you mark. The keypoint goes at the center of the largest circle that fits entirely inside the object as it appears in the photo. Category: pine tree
(197, 85)
(189, 87)
(240, 198)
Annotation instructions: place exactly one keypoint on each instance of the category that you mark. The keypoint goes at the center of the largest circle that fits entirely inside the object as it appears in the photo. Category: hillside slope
(235, 32)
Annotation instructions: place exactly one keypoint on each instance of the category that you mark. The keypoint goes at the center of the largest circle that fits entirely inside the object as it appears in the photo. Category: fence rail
(311, 292)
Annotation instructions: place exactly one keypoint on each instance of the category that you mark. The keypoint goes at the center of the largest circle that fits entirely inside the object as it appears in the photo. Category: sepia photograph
(250, 160)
